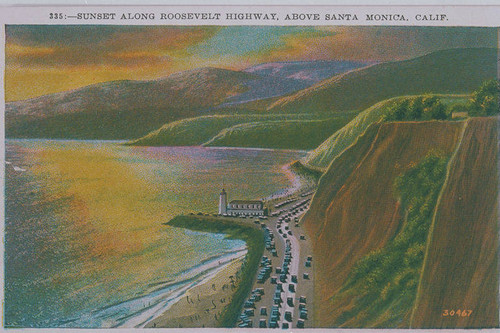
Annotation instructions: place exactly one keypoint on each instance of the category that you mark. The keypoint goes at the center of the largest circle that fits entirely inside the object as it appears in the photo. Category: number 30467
(456, 313)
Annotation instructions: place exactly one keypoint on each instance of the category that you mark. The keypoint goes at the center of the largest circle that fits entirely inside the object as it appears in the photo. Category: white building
(240, 207)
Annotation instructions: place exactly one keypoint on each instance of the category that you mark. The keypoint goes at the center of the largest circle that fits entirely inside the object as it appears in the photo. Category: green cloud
(237, 41)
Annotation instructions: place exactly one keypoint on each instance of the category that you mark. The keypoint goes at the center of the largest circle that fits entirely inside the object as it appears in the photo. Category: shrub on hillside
(483, 103)
(385, 281)
(417, 108)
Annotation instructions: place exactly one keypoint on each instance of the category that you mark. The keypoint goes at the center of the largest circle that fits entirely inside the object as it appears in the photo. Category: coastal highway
(294, 271)
(293, 249)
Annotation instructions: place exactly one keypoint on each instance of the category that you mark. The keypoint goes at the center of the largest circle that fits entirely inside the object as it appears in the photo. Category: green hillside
(288, 134)
(198, 130)
(321, 157)
(449, 71)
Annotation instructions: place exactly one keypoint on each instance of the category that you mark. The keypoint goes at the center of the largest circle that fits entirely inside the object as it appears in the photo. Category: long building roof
(246, 202)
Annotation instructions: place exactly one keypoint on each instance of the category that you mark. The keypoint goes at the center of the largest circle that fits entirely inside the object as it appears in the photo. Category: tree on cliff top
(484, 101)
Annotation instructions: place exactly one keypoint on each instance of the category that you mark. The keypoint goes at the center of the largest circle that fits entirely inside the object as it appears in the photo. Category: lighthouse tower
(223, 203)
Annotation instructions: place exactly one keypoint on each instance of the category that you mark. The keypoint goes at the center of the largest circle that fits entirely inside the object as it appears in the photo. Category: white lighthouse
(223, 203)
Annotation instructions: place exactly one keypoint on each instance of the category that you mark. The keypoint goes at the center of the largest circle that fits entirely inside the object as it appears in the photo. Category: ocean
(85, 243)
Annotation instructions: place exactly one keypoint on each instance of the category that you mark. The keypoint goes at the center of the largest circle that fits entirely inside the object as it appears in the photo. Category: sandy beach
(202, 305)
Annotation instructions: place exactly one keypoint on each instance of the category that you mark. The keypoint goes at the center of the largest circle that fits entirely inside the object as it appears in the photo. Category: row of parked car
(300, 203)
(286, 202)
(302, 312)
(249, 308)
(269, 240)
(285, 269)
(278, 212)
(283, 272)
(266, 269)
(307, 193)
(288, 316)
(277, 301)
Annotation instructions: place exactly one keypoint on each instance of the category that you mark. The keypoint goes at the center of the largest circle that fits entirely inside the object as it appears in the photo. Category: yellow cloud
(133, 55)
(15, 50)
(23, 83)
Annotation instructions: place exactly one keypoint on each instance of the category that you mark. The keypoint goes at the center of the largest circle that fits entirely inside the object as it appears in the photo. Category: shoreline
(236, 279)
(202, 275)
(301, 179)
(201, 305)
(252, 148)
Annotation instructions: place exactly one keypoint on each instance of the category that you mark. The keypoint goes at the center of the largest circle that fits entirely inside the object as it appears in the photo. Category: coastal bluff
(357, 214)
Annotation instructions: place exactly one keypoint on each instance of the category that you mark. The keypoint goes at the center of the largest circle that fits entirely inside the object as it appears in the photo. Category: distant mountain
(195, 131)
(123, 109)
(310, 71)
(450, 71)
(263, 87)
(294, 131)
(282, 78)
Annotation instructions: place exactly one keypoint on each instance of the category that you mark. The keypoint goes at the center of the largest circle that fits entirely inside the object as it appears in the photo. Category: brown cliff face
(355, 209)
(461, 268)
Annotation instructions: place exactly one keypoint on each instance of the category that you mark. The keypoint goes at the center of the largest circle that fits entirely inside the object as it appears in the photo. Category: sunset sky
(47, 59)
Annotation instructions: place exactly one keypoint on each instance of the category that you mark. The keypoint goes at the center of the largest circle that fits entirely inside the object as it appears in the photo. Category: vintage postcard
(287, 167)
